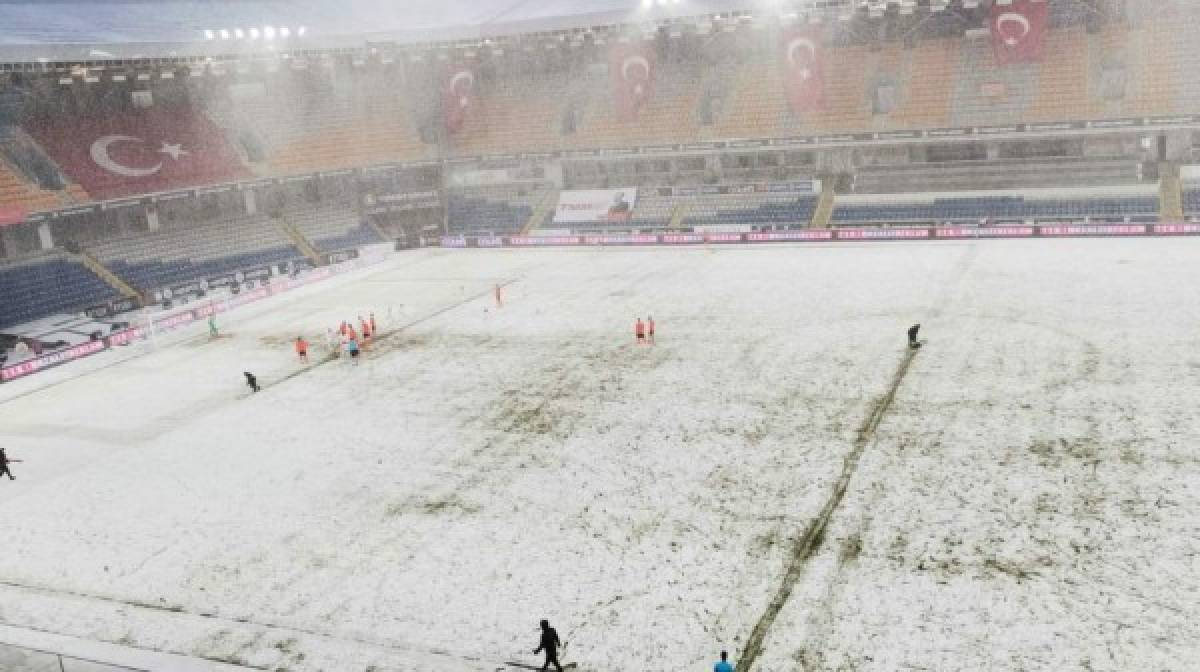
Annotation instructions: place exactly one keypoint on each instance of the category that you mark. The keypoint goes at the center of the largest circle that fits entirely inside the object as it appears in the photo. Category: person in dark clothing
(251, 381)
(4, 465)
(912, 336)
(550, 643)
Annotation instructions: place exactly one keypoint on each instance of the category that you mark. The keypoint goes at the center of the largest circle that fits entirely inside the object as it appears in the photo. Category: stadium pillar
(45, 237)
(152, 218)
(251, 202)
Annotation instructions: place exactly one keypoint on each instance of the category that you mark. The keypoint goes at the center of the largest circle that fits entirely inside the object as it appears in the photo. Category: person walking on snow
(723, 665)
(912, 336)
(650, 329)
(499, 298)
(4, 462)
(639, 331)
(550, 644)
(212, 327)
(374, 329)
(352, 349)
(366, 328)
(302, 349)
(251, 381)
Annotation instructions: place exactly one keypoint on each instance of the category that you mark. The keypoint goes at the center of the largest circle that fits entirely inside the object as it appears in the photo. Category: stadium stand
(368, 122)
(1063, 78)
(996, 174)
(493, 209)
(928, 81)
(15, 190)
(1117, 204)
(41, 284)
(180, 254)
(513, 112)
(669, 115)
(759, 209)
(332, 227)
(136, 152)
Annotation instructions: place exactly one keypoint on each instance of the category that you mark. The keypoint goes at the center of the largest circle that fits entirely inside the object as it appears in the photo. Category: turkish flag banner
(802, 56)
(1019, 30)
(631, 71)
(140, 152)
(458, 96)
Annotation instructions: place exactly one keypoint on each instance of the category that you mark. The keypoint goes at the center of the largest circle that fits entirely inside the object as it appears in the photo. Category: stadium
(491, 335)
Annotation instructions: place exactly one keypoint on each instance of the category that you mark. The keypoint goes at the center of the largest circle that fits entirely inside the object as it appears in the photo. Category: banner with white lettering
(595, 206)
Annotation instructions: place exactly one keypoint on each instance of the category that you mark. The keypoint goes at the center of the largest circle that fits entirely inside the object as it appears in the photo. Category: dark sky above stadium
(180, 21)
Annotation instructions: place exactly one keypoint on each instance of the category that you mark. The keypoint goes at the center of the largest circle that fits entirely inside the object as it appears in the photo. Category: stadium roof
(99, 29)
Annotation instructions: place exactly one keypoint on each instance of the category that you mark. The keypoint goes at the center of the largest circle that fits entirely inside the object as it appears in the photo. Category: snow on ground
(1029, 501)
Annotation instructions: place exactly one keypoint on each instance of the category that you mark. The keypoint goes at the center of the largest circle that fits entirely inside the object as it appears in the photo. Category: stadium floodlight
(269, 32)
(238, 33)
(209, 35)
(647, 4)
(301, 31)
(224, 34)
(254, 33)
(284, 31)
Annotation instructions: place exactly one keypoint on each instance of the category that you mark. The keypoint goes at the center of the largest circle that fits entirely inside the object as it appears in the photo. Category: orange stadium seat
(16, 191)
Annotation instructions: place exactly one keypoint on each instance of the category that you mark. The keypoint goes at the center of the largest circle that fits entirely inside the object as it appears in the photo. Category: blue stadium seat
(36, 289)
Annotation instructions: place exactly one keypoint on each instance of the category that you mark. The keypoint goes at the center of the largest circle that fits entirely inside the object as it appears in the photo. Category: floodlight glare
(254, 33)
(269, 32)
(284, 32)
(301, 31)
(647, 3)
(237, 32)
(208, 35)
(224, 34)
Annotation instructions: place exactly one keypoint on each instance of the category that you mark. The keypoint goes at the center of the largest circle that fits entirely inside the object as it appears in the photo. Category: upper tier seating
(291, 128)
(122, 154)
(183, 253)
(47, 283)
(15, 190)
(518, 112)
(668, 116)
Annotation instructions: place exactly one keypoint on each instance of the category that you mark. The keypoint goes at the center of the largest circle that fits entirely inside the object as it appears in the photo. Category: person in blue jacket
(723, 665)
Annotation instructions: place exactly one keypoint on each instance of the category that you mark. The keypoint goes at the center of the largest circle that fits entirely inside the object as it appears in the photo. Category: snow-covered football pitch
(779, 476)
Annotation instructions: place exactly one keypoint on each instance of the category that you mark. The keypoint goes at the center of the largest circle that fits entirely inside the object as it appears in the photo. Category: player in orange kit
(302, 349)
(639, 331)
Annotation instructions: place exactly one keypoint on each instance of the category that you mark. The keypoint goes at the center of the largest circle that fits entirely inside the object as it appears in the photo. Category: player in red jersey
(639, 331)
(650, 329)
(302, 349)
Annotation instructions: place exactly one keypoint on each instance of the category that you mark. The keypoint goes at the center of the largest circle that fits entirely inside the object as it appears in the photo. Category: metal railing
(23, 659)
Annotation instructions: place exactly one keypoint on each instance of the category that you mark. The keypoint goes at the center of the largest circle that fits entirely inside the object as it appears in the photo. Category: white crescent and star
(639, 61)
(461, 83)
(1013, 17)
(101, 156)
(798, 43)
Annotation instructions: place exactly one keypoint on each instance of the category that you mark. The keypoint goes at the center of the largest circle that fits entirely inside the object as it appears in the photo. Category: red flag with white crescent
(458, 96)
(1019, 30)
(803, 68)
(631, 70)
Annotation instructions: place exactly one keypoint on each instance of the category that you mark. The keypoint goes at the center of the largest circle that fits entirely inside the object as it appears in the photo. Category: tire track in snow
(810, 541)
(813, 536)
